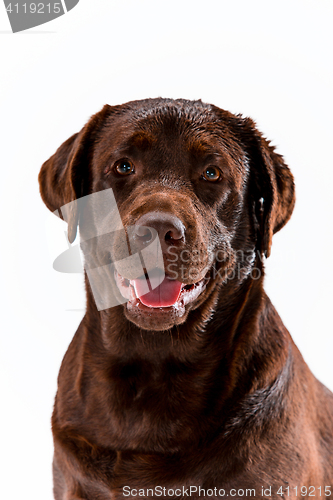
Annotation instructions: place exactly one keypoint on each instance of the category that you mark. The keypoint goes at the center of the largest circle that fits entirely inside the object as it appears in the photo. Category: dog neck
(164, 379)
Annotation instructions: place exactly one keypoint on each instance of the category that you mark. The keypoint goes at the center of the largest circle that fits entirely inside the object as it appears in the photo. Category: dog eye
(124, 167)
(212, 174)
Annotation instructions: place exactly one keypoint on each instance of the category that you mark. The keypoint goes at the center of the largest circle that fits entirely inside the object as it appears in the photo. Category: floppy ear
(65, 176)
(272, 189)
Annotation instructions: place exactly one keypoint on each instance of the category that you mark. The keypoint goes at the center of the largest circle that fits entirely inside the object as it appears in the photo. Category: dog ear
(65, 176)
(272, 190)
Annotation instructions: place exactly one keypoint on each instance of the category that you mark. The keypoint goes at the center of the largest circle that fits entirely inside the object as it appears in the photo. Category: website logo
(24, 14)
(110, 254)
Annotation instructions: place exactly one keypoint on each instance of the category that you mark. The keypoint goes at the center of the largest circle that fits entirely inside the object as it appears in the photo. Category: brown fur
(219, 397)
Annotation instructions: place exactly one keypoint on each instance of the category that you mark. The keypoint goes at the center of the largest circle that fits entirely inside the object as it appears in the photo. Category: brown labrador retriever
(191, 387)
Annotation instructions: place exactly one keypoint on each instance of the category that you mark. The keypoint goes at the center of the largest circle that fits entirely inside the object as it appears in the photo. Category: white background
(269, 60)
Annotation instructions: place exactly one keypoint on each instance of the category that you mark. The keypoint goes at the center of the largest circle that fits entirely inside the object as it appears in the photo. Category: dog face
(205, 182)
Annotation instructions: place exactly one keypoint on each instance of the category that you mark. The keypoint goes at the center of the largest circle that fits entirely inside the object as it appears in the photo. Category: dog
(192, 386)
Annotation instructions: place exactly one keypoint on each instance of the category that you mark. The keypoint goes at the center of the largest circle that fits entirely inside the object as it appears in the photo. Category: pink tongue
(164, 295)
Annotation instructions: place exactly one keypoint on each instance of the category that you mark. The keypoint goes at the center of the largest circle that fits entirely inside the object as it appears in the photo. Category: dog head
(198, 181)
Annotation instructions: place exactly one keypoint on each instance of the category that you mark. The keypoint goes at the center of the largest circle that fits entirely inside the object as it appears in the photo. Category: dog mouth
(159, 292)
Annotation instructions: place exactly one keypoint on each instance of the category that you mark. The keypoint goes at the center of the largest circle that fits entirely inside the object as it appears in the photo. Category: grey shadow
(26, 32)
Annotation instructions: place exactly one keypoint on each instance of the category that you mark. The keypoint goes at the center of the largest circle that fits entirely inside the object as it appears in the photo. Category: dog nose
(169, 228)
